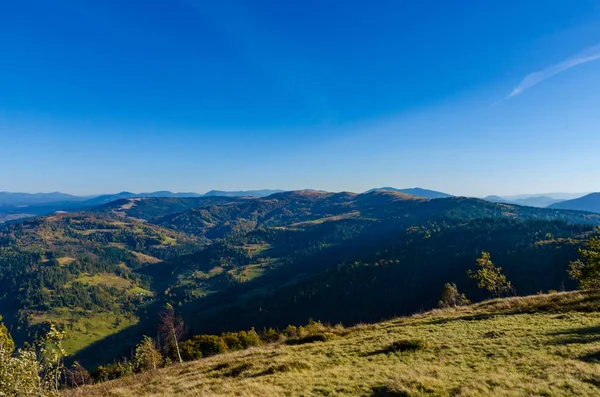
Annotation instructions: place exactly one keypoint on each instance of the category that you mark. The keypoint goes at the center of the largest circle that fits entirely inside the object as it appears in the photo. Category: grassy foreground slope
(546, 345)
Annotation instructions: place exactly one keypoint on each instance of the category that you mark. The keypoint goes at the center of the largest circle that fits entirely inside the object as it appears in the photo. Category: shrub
(232, 340)
(324, 337)
(291, 331)
(76, 376)
(202, 346)
(147, 356)
(250, 338)
(113, 371)
(451, 297)
(269, 335)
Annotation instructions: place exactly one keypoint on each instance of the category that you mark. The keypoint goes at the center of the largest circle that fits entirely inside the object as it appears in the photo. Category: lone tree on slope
(586, 271)
(491, 277)
(171, 329)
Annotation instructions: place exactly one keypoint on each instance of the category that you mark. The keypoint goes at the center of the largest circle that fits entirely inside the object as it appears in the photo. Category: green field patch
(255, 249)
(215, 270)
(143, 258)
(349, 215)
(117, 245)
(108, 280)
(65, 260)
(93, 231)
(83, 327)
(139, 291)
(166, 240)
(251, 272)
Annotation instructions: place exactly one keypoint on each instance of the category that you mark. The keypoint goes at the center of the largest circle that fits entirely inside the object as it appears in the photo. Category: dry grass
(547, 345)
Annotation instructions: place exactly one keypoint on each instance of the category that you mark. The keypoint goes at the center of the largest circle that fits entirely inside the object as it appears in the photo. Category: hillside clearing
(538, 345)
(83, 327)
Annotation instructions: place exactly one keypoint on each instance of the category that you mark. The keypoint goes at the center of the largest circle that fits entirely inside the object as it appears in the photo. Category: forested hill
(236, 262)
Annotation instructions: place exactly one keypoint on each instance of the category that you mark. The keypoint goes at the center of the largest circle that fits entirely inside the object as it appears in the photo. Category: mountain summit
(415, 191)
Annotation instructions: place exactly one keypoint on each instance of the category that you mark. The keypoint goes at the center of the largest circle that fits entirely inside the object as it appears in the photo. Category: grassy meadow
(83, 328)
(543, 345)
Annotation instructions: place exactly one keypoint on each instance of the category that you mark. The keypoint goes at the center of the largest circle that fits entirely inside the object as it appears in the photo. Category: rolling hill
(417, 191)
(544, 345)
(79, 270)
(233, 263)
(590, 203)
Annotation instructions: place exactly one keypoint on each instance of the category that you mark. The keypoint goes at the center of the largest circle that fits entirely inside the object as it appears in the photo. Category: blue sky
(471, 98)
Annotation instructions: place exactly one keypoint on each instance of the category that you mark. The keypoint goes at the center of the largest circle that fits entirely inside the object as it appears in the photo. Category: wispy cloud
(588, 55)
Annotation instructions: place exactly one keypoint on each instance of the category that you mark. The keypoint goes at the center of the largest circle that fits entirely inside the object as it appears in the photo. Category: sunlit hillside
(546, 345)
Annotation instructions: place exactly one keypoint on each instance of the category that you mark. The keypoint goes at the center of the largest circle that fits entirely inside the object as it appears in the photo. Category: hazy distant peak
(590, 203)
(242, 193)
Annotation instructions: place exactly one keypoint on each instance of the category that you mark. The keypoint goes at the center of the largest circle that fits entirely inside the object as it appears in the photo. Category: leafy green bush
(113, 371)
(269, 335)
(202, 346)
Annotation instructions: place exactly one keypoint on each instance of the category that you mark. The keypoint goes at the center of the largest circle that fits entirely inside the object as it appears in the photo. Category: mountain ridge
(590, 203)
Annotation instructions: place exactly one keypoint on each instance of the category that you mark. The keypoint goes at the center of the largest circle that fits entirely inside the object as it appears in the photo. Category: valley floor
(546, 345)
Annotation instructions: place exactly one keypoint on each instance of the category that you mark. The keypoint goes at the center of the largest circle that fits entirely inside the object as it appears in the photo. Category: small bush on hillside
(76, 376)
(202, 346)
(269, 335)
(232, 340)
(250, 338)
(291, 331)
(324, 337)
(451, 297)
(313, 328)
(147, 355)
(113, 371)
(241, 340)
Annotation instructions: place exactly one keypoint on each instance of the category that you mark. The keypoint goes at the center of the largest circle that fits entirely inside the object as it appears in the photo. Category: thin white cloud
(588, 55)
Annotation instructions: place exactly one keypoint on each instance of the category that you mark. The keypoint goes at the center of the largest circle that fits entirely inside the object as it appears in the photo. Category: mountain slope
(536, 345)
(235, 263)
(425, 193)
(533, 201)
(538, 201)
(243, 193)
(590, 203)
(78, 269)
(26, 199)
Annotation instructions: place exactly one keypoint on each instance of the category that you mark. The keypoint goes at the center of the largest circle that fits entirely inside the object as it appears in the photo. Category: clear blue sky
(473, 98)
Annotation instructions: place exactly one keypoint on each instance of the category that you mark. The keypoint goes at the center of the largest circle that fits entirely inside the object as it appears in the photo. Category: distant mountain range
(239, 262)
(590, 203)
(24, 199)
(532, 201)
(14, 206)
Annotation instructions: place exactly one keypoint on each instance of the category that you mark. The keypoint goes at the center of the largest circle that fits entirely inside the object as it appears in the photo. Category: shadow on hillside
(386, 391)
(576, 335)
(593, 357)
(400, 346)
(470, 317)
